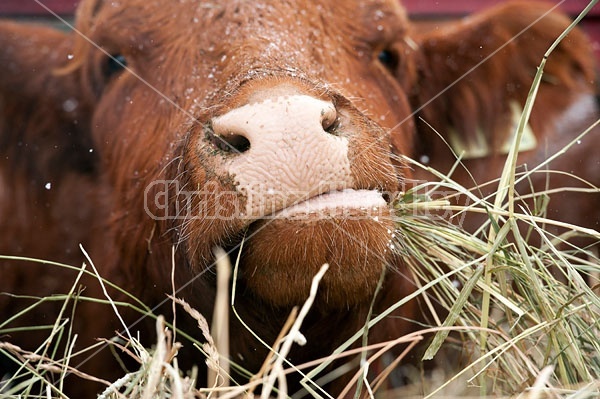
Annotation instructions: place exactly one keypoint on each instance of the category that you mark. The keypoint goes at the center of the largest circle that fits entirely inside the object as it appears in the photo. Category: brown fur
(138, 137)
(481, 99)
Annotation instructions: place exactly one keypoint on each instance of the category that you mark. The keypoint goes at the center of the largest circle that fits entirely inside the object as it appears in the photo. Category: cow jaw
(283, 254)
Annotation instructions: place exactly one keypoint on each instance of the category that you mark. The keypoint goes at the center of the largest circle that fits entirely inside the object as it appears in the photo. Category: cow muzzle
(290, 158)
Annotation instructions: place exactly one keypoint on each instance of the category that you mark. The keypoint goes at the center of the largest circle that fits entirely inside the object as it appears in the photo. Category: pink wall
(461, 7)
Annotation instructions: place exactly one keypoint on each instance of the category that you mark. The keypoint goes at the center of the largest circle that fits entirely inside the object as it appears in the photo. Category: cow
(474, 120)
(277, 130)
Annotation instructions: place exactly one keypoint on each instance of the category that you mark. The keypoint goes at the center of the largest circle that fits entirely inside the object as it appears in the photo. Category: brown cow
(163, 129)
(476, 114)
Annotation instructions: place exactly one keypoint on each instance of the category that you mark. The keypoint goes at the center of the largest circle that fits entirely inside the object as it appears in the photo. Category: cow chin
(283, 254)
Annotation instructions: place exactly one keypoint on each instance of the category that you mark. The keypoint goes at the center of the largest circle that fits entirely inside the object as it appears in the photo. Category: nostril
(235, 142)
(330, 120)
(228, 142)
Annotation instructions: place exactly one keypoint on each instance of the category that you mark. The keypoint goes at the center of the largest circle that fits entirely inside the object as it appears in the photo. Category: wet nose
(287, 148)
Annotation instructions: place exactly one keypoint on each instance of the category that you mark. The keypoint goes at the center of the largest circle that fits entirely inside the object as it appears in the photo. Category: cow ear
(474, 77)
(42, 115)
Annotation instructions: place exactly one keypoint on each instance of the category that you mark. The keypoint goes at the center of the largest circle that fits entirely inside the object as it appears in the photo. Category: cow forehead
(320, 21)
(209, 48)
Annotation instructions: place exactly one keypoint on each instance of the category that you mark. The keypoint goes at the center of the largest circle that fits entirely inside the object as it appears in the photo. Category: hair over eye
(388, 58)
(114, 64)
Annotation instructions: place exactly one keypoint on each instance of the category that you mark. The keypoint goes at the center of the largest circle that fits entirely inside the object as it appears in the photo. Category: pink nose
(288, 148)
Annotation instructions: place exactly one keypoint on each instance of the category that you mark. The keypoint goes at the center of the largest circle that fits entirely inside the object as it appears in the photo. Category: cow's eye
(114, 64)
(388, 58)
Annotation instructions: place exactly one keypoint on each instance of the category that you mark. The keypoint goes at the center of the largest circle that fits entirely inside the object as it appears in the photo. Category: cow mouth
(350, 205)
(335, 204)
(350, 230)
